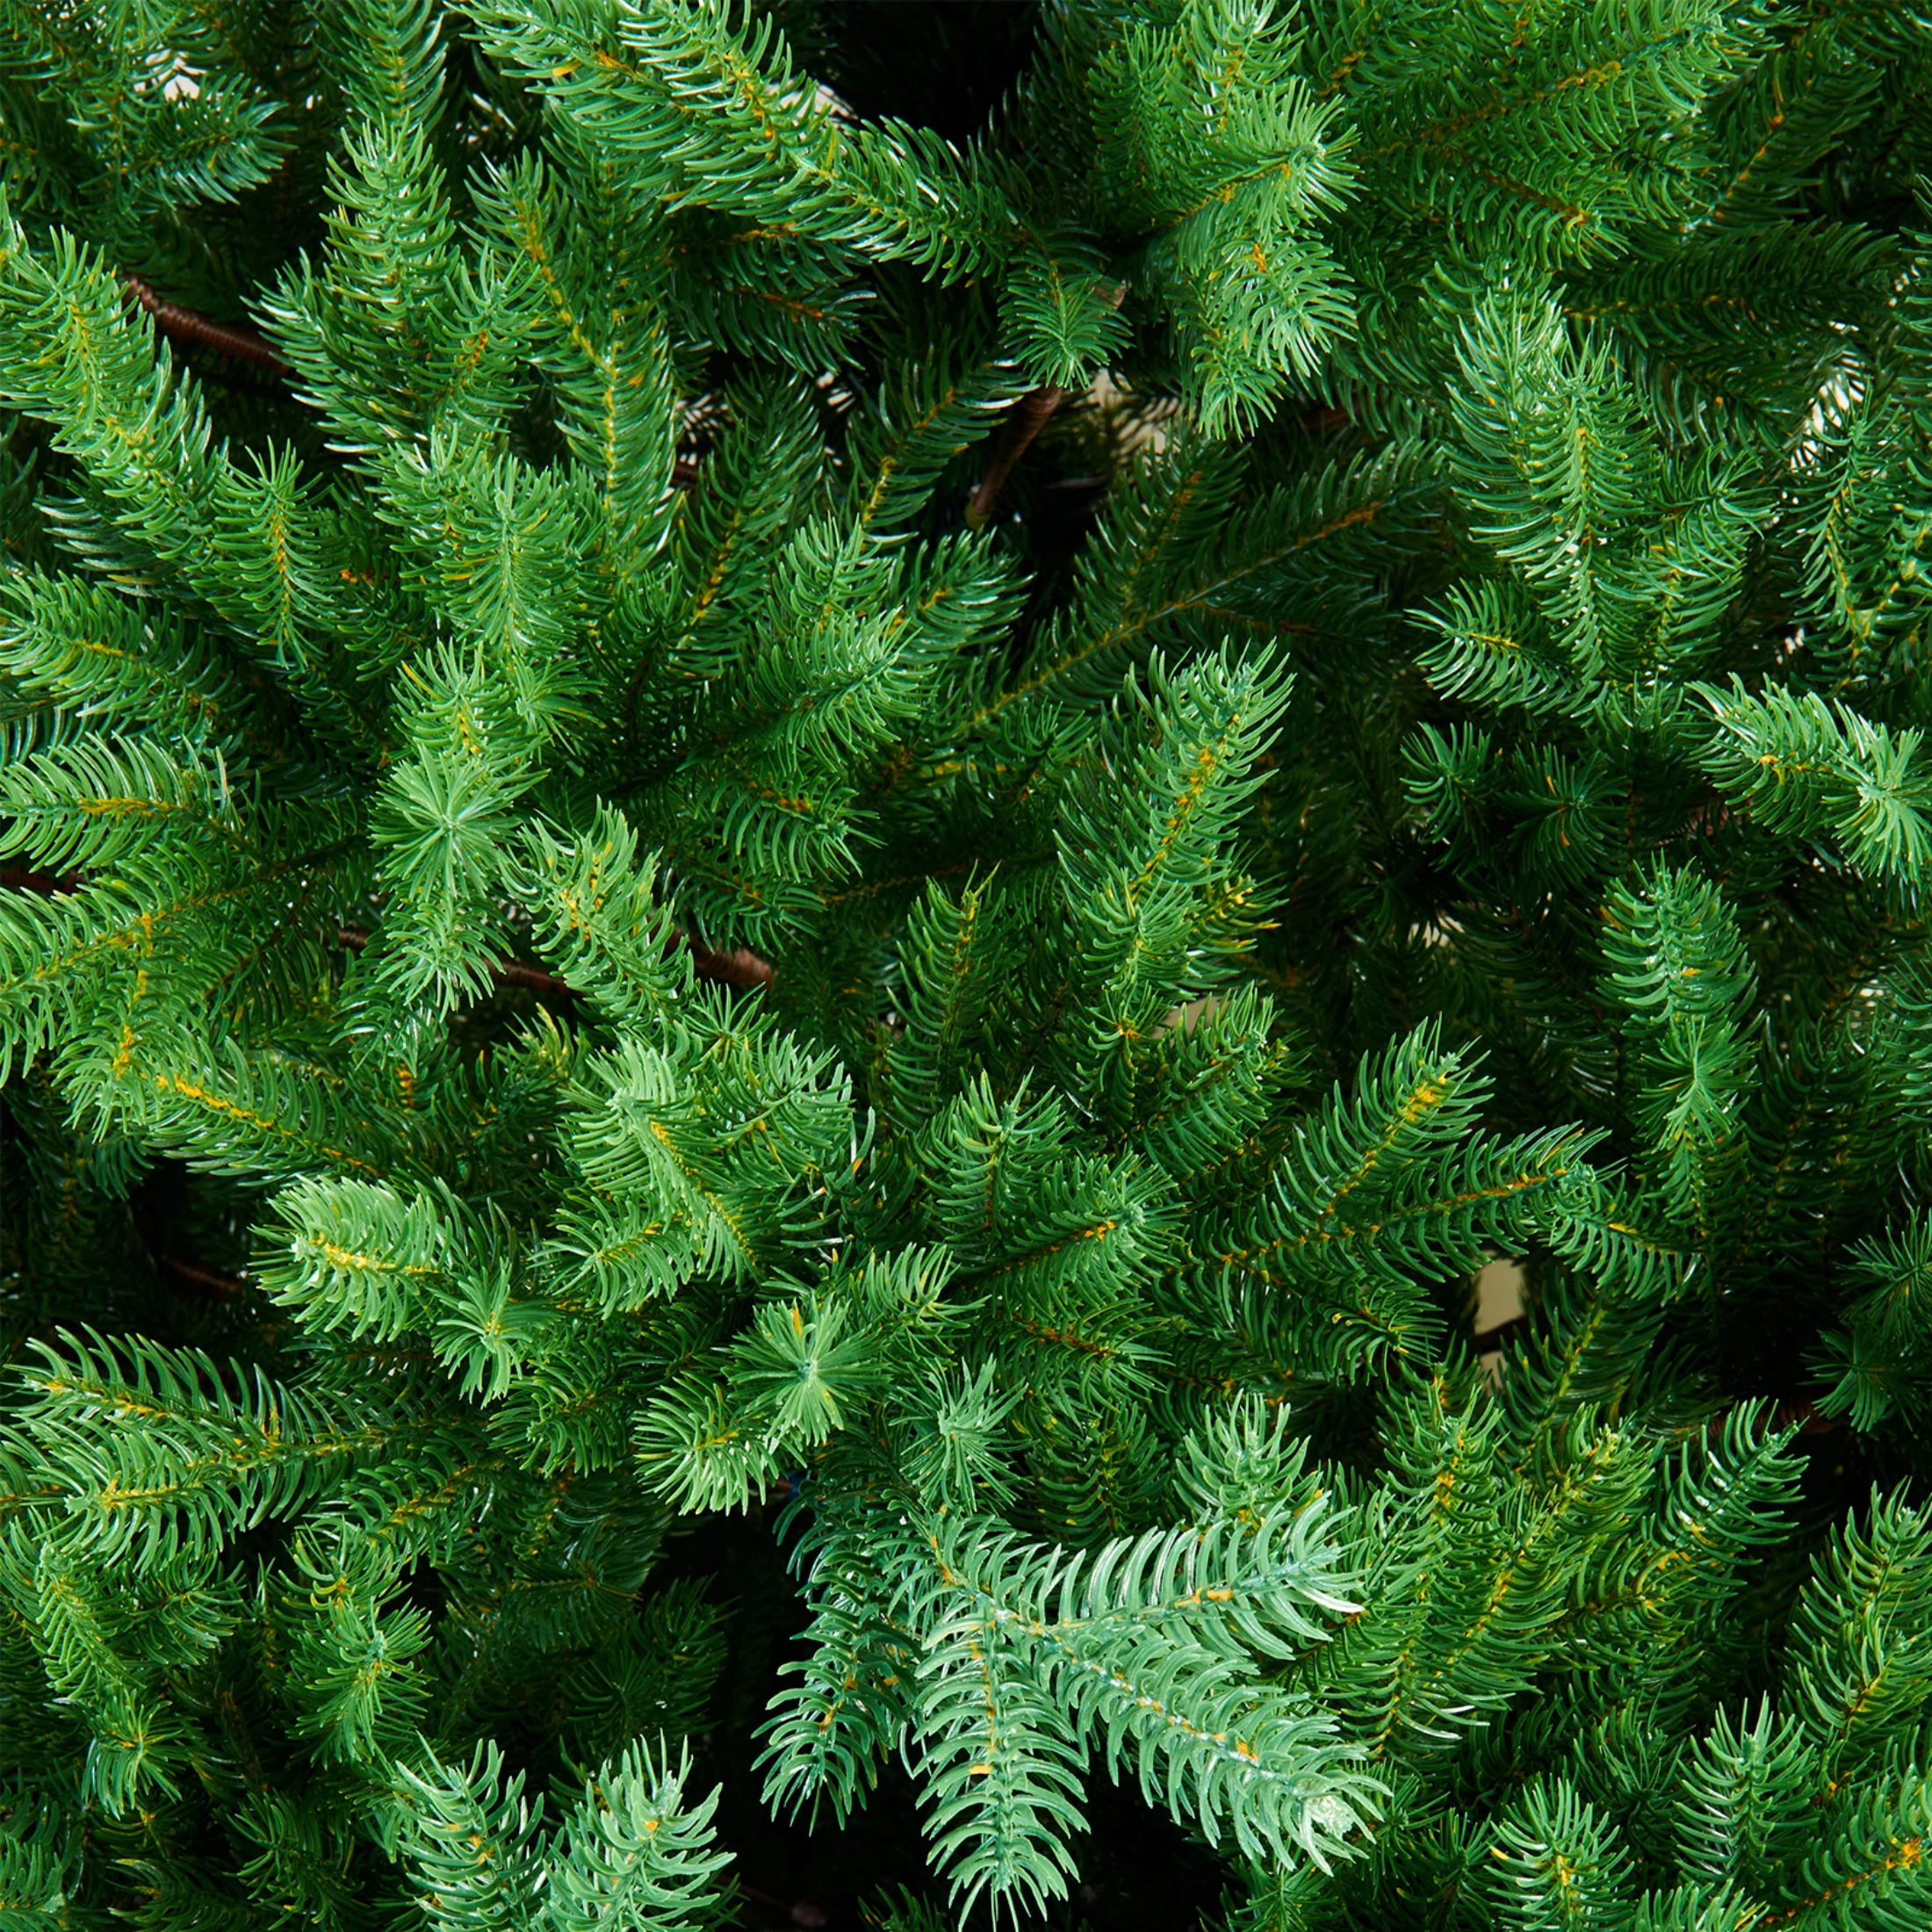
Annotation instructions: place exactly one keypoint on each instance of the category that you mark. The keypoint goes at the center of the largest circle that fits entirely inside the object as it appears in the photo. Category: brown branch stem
(188, 325)
(734, 967)
(18, 878)
(1024, 422)
(222, 1286)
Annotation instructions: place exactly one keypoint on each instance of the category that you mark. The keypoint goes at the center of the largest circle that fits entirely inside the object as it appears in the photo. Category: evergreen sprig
(772, 785)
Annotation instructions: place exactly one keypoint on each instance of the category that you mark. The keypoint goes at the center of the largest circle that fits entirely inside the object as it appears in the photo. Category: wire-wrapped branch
(188, 325)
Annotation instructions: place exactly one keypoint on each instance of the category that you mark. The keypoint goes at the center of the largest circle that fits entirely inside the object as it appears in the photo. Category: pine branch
(577, 589)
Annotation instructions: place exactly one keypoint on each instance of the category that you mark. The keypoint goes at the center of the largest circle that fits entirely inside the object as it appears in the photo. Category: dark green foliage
(632, 930)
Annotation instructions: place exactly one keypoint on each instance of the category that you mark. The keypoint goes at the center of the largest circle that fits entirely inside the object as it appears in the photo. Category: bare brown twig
(222, 1286)
(734, 967)
(1024, 422)
(16, 878)
(188, 325)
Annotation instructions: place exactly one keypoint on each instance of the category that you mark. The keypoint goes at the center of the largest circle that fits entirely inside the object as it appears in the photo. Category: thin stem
(1028, 418)
(222, 1286)
(734, 967)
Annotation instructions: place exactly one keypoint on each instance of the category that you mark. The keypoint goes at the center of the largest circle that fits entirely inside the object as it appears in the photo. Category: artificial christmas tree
(857, 791)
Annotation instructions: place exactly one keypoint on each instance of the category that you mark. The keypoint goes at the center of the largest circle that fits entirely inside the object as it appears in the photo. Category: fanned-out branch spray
(879, 781)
